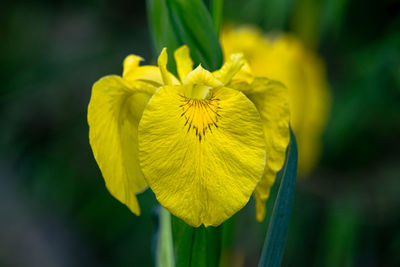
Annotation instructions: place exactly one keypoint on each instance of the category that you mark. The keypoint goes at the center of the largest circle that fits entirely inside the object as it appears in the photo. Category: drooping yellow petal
(184, 63)
(271, 100)
(201, 157)
(114, 111)
(262, 192)
(232, 66)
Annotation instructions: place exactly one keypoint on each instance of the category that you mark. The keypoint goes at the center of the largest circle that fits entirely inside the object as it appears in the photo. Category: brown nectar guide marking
(201, 115)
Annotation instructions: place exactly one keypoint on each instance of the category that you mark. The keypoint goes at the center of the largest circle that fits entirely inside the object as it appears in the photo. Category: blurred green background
(54, 207)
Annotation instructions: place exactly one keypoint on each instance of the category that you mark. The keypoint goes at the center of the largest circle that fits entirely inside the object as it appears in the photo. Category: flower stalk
(165, 248)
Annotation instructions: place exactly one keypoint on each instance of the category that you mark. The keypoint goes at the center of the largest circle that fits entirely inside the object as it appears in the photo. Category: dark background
(54, 207)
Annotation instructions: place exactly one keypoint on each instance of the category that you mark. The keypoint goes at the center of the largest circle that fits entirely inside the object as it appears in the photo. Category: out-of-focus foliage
(54, 207)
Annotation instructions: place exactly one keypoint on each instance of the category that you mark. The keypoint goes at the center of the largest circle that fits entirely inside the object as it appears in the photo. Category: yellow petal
(145, 73)
(318, 102)
(199, 82)
(151, 74)
(262, 192)
(114, 112)
(232, 66)
(162, 64)
(201, 157)
(184, 63)
(132, 71)
(131, 63)
(271, 100)
(245, 74)
(249, 41)
(201, 76)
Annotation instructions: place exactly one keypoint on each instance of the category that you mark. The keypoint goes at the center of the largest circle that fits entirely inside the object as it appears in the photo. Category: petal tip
(163, 57)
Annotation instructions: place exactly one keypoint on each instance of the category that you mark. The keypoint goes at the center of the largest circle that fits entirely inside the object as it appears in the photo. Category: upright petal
(230, 68)
(271, 100)
(184, 62)
(151, 74)
(201, 76)
(114, 111)
(201, 157)
(162, 64)
(131, 63)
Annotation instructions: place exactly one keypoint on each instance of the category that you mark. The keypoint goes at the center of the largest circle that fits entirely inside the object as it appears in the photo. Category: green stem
(216, 7)
(165, 251)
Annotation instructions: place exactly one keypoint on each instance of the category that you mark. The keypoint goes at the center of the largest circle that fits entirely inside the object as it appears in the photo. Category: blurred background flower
(54, 207)
(284, 58)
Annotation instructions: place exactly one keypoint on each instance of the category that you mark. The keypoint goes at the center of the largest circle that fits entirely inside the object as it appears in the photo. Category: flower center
(200, 115)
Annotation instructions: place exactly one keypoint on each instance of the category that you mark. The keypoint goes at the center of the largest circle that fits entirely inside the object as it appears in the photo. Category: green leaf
(177, 22)
(161, 30)
(216, 8)
(274, 243)
(196, 247)
(193, 26)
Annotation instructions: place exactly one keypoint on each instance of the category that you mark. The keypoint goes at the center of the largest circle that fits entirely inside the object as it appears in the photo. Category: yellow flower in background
(203, 143)
(284, 58)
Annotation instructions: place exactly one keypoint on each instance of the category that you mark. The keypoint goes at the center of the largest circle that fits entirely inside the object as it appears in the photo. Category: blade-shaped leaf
(193, 26)
(177, 22)
(216, 8)
(278, 226)
(161, 30)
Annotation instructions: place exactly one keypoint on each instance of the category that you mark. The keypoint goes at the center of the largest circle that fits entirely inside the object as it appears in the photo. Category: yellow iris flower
(285, 59)
(203, 143)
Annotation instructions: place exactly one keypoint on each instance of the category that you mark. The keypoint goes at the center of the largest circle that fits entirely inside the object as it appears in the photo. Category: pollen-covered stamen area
(201, 115)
